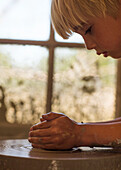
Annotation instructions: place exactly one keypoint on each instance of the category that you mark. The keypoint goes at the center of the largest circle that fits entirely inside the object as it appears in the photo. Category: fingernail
(31, 128)
(45, 115)
(29, 134)
(29, 139)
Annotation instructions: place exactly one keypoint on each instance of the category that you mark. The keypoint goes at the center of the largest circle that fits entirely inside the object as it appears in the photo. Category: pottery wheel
(19, 155)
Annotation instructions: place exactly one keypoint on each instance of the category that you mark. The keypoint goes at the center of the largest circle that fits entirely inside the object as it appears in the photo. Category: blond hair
(66, 15)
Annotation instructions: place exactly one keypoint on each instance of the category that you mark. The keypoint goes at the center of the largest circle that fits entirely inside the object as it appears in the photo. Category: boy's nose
(90, 44)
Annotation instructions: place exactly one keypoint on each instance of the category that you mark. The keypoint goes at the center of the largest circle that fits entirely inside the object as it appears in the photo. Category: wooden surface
(19, 155)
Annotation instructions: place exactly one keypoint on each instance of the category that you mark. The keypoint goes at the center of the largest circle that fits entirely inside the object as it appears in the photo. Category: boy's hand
(59, 133)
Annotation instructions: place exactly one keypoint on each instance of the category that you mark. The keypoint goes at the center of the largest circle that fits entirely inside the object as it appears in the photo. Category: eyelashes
(83, 31)
(88, 30)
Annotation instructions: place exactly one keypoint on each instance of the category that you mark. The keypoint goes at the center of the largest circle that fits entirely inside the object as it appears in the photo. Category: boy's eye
(88, 30)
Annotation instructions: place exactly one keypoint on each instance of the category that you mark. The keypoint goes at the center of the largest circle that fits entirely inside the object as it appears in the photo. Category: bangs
(64, 18)
(66, 15)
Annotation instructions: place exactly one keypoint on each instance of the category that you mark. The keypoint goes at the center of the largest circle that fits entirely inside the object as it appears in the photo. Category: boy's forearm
(99, 134)
(110, 121)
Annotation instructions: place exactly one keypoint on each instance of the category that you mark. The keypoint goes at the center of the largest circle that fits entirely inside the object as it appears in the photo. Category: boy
(99, 23)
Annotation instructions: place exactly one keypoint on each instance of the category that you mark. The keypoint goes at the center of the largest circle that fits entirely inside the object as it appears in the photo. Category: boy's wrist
(85, 137)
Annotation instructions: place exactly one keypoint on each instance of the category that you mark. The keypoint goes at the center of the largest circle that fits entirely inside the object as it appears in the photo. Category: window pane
(25, 19)
(23, 82)
(84, 87)
(75, 38)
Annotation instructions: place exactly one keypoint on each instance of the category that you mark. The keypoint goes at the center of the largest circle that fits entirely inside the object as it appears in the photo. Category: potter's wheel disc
(19, 152)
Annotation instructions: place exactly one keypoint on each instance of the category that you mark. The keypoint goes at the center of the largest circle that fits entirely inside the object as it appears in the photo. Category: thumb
(52, 115)
(41, 119)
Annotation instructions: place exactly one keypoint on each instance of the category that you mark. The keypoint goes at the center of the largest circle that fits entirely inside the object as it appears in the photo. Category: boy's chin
(115, 56)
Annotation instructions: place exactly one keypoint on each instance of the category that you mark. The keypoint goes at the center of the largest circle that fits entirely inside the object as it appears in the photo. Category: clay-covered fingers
(51, 116)
(41, 119)
(40, 133)
(46, 140)
(41, 125)
(41, 140)
(50, 146)
(46, 146)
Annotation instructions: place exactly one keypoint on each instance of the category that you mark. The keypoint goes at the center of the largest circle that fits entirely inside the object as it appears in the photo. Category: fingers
(46, 146)
(51, 116)
(46, 142)
(41, 125)
(40, 133)
(41, 119)
(55, 139)
(50, 146)
(41, 140)
(50, 142)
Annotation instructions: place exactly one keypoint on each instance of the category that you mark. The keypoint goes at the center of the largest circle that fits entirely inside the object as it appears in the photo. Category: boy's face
(103, 35)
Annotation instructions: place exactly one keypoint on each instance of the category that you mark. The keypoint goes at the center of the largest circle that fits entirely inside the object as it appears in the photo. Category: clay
(18, 154)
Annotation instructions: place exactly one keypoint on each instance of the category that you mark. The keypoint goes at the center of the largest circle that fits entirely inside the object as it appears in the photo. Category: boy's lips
(105, 53)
